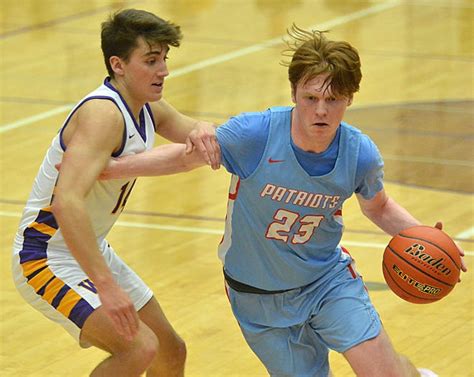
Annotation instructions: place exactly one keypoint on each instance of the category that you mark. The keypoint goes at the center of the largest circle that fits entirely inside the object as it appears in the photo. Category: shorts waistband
(245, 288)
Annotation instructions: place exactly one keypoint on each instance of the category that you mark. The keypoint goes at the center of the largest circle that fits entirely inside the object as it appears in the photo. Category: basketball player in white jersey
(62, 263)
(292, 287)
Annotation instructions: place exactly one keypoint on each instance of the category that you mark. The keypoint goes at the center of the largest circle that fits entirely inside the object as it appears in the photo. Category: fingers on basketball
(421, 264)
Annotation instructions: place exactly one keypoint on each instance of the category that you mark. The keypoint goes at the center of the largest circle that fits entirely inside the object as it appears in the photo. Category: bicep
(373, 205)
(369, 175)
(170, 123)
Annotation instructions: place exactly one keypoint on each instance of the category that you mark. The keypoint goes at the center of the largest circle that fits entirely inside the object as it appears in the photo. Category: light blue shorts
(292, 332)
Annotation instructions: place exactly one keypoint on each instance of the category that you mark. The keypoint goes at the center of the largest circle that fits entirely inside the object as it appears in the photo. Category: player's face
(145, 71)
(317, 114)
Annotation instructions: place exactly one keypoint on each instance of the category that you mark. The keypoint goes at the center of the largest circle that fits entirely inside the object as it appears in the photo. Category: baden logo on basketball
(421, 264)
(419, 252)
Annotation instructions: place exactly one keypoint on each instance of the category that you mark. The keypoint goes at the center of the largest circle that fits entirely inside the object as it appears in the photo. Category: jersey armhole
(150, 113)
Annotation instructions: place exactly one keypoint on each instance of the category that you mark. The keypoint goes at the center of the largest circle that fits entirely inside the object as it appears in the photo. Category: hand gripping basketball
(422, 264)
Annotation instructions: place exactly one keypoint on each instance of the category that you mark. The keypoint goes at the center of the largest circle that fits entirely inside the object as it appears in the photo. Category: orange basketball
(421, 264)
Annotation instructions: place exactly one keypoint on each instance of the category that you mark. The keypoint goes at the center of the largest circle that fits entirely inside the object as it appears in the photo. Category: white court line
(276, 41)
(468, 233)
(221, 58)
(35, 118)
(186, 229)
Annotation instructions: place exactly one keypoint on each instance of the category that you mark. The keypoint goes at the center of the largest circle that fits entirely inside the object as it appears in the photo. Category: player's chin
(154, 96)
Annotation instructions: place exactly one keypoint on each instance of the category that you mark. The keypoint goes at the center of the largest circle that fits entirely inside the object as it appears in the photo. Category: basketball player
(292, 287)
(62, 264)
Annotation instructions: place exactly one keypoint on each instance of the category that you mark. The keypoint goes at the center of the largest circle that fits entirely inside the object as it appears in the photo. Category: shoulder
(98, 118)
(248, 121)
(367, 145)
(253, 116)
(369, 159)
(351, 129)
(245, 130)
(100, 110)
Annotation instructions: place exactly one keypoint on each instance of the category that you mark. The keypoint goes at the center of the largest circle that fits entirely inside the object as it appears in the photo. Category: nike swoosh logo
(272, 161)
(130, 136)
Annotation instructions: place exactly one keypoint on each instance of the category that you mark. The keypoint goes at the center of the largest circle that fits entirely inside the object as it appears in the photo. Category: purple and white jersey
(106, 200)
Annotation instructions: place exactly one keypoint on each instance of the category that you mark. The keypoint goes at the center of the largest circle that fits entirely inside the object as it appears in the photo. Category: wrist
(104, 282)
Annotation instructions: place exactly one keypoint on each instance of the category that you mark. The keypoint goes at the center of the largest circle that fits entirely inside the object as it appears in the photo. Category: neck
(134, 104)
(314, 146)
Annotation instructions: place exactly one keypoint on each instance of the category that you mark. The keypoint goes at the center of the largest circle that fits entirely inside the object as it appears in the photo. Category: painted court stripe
(279, 40)
(186, 229)
(468, 233)
(35, 118)
(220, 59)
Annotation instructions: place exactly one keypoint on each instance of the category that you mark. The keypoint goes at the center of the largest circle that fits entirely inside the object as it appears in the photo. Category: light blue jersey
(292, 288)
(289, 222)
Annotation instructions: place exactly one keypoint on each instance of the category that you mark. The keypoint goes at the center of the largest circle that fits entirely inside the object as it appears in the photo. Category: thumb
(189, 146)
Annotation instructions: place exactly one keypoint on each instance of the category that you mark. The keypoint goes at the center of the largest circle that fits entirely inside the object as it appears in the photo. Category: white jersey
(44, 271)
(106, 199)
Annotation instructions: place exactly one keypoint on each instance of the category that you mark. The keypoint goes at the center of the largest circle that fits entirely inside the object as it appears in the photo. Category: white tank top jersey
(38, 228)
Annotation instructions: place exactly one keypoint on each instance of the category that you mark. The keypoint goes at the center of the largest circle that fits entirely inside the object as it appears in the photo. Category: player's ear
(349, 100)
(117, 65)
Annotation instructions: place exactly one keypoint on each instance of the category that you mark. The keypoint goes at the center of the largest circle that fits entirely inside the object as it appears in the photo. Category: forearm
(179, 130)
(76, 226)
(391, 217)
(163, 160)
(171, 124)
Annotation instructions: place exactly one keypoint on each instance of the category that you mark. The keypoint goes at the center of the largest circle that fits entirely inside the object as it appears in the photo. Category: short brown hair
(121, 31)
(313, 54)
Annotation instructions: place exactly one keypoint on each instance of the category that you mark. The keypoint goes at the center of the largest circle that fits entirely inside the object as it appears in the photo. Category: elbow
(371, 215)
(62, 204)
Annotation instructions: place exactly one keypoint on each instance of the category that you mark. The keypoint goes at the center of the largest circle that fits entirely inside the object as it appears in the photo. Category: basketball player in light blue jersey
(292, 287)
(62, 263)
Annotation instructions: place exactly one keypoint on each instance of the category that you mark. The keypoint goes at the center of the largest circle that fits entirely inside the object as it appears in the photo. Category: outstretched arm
(392, 218)
(162, 160)
(180, 128)
(386, 213)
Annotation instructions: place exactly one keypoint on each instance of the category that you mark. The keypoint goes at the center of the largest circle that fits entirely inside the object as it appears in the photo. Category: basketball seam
(416, 267)
(403, 290)
(433, 244)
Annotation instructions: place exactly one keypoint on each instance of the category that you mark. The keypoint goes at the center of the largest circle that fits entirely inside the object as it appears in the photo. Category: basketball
(421, 264)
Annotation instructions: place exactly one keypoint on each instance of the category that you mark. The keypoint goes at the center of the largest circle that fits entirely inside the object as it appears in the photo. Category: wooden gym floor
(416, 102)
